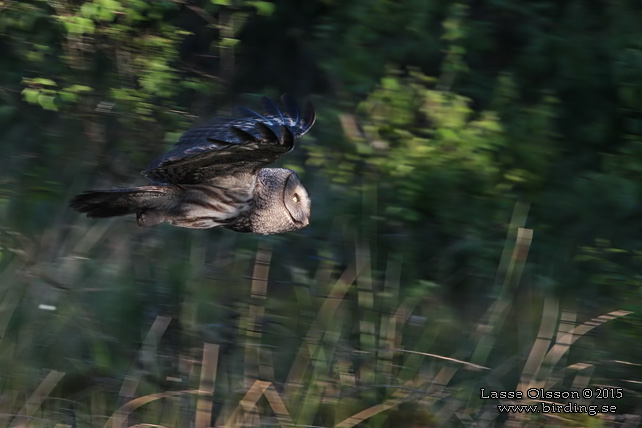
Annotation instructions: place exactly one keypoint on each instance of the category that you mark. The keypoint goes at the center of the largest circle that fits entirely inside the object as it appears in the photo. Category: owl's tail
(149, 203)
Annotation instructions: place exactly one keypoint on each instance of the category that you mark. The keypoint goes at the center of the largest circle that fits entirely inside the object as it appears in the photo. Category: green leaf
(190, 84)
(35, 56)
(78, 25)
(88, 10)
(30, 95)
(68, 97)
(263, 7)
(111, 5)
(390, 83)
(106, 15)
(228, 42)
(43, 81)
(79, 88)
(47, 102)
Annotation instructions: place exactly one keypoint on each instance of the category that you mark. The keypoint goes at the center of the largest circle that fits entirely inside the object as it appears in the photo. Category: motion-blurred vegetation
(476, 176)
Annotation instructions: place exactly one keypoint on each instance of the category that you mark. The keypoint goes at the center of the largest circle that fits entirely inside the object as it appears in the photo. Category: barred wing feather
(246, 144)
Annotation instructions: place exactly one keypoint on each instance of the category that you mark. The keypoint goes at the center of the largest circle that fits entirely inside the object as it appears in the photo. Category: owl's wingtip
(298, 120)
(309, 115)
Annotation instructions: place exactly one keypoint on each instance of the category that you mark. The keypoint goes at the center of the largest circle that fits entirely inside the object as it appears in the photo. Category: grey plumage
(216, 177)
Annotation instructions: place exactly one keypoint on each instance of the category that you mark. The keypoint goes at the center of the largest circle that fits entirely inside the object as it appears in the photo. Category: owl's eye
(295, 198)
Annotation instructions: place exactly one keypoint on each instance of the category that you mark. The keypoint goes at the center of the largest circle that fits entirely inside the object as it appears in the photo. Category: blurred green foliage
(443, 128)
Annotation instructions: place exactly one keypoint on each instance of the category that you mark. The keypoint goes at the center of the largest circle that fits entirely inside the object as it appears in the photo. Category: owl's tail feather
(147, 202)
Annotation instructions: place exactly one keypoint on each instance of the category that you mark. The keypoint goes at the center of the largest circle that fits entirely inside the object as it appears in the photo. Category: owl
(216, 176)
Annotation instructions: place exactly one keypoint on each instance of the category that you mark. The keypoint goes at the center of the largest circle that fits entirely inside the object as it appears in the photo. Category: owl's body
(215, 177)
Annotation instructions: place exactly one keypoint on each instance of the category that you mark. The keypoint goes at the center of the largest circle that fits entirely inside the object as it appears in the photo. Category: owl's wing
(231, 146)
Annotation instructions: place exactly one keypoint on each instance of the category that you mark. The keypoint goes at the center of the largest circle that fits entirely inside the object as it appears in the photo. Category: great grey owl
(216, 177)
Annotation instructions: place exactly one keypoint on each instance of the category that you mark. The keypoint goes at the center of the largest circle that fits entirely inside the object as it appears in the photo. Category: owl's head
(281, 202)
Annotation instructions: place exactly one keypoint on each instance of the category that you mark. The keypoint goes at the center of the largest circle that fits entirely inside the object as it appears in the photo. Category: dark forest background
(476, 181)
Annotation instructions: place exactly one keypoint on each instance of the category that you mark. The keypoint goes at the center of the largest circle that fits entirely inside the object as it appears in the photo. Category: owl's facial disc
(296, 200)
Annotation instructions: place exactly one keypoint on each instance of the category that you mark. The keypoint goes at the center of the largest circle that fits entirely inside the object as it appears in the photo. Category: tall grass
(104, 326)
